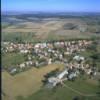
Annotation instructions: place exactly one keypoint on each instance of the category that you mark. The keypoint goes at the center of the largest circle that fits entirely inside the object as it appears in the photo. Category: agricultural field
(12, 59)
(28, 86)
(88, 89)
(30, 28)
(24, 83)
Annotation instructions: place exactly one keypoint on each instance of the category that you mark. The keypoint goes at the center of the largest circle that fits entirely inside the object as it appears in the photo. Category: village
(50, 50)
(42, 54)
(72, 71)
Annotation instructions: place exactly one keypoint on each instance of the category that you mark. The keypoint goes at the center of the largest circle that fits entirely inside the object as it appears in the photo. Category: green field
(63, 93)
(20, 37)
(12, 59)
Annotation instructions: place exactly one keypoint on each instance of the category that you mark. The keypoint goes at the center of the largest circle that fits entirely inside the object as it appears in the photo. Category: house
(6, 43)
(53, 81)
(88, 71)
(78, 58)
(62, 44)
(37, 45)
(82, 49)
(67, 53)
(55, 54)
(22, 65)
(45, 53)
(13, 70)
(49, 50)
(60, 56)
(72, 75)
(10, 49)
(62, 74)
(87, 66)
(50, 61)
(49, 45)
(36, 63)
(29, 63)
(24, 51)
(94, 73)
(44, 45)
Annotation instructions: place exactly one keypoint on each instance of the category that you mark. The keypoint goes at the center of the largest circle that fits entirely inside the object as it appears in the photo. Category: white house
(28, 63)
(78, 58)
(22, 65)
(88, 71)
(13, 70)
(62, 74)
(37, 45)
(24, 51)
(72, 75)
(50, 61)
(53, 80)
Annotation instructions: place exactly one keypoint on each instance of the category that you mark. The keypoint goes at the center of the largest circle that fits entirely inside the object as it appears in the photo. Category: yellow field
(43, 27)
(49, 29)
(25, 83)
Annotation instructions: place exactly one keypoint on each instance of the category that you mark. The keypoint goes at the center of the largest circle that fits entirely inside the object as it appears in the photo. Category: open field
(64, 92)
(12, 59)
(44, 26)
(29, 85)
(48, 28)
(25, 83)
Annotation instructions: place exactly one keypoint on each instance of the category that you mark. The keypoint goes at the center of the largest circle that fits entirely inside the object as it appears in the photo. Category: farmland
(12, 59)
(25, 83)
(28, 86)
(35, 27)
(62, 92)
(20, 31)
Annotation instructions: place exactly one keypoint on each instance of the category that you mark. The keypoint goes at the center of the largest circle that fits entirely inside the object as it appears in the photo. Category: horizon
(50, 6)
(45, 12)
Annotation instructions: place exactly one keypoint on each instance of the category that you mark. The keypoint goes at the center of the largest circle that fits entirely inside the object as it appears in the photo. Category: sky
(51, 5)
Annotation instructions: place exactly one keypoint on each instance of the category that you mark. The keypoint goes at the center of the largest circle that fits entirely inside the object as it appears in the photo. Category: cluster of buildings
(16, 47)
(70, 46)
(45, 53)
(72, 71)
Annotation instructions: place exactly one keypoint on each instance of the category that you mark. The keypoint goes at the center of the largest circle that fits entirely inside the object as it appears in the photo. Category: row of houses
(20, 67)
(27, 47)
(16, 47)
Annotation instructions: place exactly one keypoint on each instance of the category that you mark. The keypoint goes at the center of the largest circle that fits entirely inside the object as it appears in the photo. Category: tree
(92, 47)
(76, 98)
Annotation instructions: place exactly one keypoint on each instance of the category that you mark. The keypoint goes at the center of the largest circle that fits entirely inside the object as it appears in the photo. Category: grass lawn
(11, 59)
(18, 37)
(83, 86)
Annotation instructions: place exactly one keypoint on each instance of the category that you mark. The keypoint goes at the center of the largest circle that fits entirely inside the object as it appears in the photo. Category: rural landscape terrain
(47, 26)
(50, 56)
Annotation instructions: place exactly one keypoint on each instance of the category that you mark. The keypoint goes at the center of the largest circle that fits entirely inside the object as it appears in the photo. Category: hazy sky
(51, 5)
